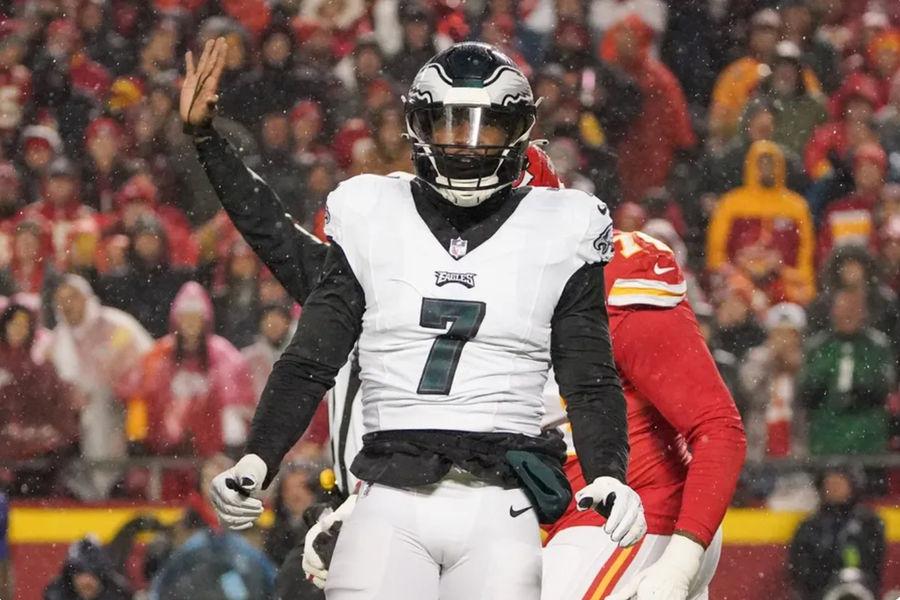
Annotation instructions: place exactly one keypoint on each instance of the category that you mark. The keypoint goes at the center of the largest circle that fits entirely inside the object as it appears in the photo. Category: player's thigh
(583, 562)
(379, 555)
(500, 555)
(700, 586)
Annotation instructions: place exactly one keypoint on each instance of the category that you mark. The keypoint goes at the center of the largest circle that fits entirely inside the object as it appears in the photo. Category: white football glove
(670, 577)
(625, 524)
(313, 565)
(231, 491)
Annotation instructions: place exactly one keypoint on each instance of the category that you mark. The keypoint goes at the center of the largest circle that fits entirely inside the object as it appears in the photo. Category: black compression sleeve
(581, 350)
(294, 256)
(329, 327)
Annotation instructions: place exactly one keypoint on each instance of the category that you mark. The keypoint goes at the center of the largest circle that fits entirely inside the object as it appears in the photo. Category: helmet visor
(456, 126)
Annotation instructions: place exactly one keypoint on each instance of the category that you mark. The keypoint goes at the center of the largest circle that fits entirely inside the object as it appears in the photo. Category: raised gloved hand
(625, 523)
(318, 546)
(231, 492)
(670, 577)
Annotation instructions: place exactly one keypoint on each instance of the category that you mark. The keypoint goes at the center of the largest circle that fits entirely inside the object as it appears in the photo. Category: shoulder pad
(643, 271)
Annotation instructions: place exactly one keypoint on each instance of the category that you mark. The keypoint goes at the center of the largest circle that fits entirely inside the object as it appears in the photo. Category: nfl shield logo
(458, 247)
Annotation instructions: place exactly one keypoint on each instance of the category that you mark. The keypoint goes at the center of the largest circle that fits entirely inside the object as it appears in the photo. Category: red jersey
(676, 398)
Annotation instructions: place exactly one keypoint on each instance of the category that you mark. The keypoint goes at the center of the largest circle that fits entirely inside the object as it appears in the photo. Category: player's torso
(458, 337)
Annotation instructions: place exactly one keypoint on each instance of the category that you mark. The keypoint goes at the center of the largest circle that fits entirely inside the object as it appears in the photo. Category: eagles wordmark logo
(445, 277)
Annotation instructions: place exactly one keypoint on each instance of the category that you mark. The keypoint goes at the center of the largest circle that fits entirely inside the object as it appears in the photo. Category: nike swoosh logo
(515, 513)
(659, 271)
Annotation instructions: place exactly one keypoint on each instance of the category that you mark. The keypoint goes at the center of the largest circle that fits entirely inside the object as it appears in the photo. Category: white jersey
(454, 339)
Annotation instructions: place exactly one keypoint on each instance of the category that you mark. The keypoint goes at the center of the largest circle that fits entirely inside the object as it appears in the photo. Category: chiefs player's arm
(327, 331)
(294, 256)
(663, 354)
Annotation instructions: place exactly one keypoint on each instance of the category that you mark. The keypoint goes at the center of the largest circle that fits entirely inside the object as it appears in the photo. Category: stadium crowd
(759, 139)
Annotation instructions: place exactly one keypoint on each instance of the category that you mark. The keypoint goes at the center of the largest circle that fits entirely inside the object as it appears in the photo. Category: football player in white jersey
(460, 292)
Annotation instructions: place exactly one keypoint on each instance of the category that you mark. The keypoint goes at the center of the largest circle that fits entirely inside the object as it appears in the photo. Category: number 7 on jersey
(465, 318)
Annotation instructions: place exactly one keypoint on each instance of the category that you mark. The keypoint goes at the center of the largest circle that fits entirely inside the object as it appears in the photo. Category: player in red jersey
(676, 401)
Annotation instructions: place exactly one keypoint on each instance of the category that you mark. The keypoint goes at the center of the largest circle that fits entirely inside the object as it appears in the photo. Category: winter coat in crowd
(97, 355)
(723, 169)
(212, 566)
(764, 226)
(149, 284)
(882, 303)
(663, 128)
(38, 414)
(851, 220)
(200, 402)
(88, 557)
(844, 384)
(838, 536)
(840, 135)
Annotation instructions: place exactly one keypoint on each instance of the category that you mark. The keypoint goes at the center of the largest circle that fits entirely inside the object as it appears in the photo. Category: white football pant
(583, 563)
(453, 540)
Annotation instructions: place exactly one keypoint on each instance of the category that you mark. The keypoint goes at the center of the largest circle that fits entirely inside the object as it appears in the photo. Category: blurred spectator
(736, 328)
(88, 574)
(274, 333)
(237, 306)
(101, 41)
(663, 127)
(278, 167)
(194, 393)
(276, 86)
(306, 132)
(105, 165)
(798, 20)
(887, 125)
(855, 268)
(417, 46)
(773, 419)
(51, 65)
(96, 349)
(149, 283)
(81, 251)
(11, 199)
(159, 53)
(765, 229)
(237, 78)
(845, 381)
(363, 67)
(138, 198)
(15, 81)
(32, 255)
(735, 84)
(723, 169)
(40, 145)
(890, 252)
(391, 150)
(293, 496)
(851, 220)
(224, 566)
(567, 160)
(7, 580)
(842, 534)
(852, 108)
(60, 203)
(800, 103)
(37, 410)
(883, 59)
(606, 14)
